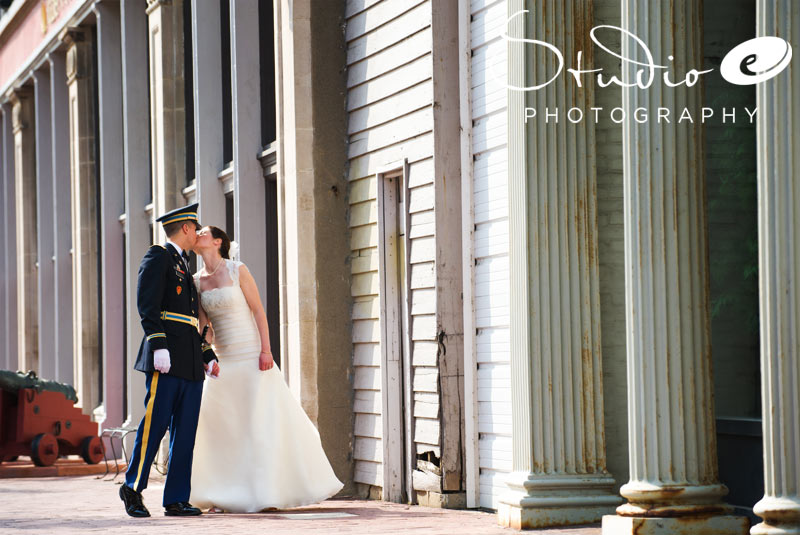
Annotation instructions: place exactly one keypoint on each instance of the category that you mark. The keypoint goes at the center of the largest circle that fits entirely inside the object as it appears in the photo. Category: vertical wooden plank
(390, 321)
(10, 230)
(471, 464)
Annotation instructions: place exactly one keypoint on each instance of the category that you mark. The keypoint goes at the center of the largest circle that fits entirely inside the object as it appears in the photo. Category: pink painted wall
(19, 42)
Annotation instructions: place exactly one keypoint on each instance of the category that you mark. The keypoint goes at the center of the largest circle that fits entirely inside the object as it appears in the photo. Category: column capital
(17, 96)
(72, 35)
(152, 5)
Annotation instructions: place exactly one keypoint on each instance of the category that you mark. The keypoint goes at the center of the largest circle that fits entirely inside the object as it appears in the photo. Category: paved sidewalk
(79, 505)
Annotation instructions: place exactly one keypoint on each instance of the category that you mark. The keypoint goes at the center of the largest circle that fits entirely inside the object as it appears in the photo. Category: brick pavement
(79, 505)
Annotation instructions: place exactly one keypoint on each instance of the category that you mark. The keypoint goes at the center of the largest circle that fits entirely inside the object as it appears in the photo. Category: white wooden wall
(390, 118)
(490, 247)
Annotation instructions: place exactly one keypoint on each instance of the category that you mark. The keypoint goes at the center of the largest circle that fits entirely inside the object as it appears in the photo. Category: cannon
(39, 418)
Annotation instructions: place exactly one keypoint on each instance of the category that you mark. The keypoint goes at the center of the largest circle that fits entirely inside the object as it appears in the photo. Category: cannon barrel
(14, 381)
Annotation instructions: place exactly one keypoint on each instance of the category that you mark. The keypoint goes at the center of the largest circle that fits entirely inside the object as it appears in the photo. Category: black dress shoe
(181, 509)
(133, 502)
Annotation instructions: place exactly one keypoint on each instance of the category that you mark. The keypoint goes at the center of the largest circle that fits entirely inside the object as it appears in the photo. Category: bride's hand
(265, 361)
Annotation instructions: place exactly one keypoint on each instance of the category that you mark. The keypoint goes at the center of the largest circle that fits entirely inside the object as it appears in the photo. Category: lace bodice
(235, 332)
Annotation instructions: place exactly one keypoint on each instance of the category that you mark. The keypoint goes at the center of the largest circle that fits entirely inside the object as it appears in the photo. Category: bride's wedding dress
(255, 447)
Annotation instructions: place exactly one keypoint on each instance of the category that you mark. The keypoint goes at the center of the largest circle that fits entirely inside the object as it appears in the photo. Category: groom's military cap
(187, 213)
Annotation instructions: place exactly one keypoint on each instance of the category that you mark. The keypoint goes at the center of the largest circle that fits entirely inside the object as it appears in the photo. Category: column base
(685, 525)
(781, 516)
(541, 517)
(538, 501)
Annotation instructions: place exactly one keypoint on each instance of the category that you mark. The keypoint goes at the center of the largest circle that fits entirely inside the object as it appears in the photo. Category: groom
(173, 357)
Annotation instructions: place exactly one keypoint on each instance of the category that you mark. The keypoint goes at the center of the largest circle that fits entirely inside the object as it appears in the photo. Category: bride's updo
(225, 246)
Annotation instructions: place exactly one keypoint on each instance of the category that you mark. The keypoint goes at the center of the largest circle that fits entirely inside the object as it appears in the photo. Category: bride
(256, 448)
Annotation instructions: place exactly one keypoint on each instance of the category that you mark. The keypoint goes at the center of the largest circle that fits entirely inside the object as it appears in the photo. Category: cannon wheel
(44, 449)
(92, 450)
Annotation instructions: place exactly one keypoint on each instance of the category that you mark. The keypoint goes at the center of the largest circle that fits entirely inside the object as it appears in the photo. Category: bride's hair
(225, 246)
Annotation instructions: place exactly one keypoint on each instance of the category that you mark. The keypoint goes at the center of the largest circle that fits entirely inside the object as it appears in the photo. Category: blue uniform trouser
(174, 403)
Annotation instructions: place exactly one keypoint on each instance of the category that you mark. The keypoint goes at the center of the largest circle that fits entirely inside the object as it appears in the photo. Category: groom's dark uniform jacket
(169, 306)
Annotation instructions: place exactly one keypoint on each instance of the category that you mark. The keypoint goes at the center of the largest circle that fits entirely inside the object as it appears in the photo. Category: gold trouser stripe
(148, 416)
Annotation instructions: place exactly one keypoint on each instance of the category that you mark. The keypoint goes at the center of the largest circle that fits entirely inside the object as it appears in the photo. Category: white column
(44, 224)
(138, 185)
(85, 240)
(206, 67)
(779, 275)
(9, 222)
(112, 205)
(249, 192)
(167, 118)
(62, 217)
(559, 472)
(673, 484)
(25, 191)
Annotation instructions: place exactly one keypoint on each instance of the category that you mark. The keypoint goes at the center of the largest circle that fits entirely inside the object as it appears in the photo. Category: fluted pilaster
(85, 239)
(672, 445)
(779, 275)
(559, 466)
(22, 113)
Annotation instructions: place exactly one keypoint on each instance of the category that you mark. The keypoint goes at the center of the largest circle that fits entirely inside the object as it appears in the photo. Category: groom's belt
(181, 318)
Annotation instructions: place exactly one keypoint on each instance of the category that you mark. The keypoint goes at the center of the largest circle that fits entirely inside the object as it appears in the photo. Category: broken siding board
(426, 405)
(399, 105)
(367, 354)
(364, 284)
(423, 327)
(426, 431)
(426, 379)
(368, 449)
(376, 16)
(366, 331)
(389, 34)
(367, 378)
(424, 449)
(363, 237)
(369, 164)
(396, 131)
(411, 48)
(423, 276)
(368, 425)
(363, 213)
(389, 84)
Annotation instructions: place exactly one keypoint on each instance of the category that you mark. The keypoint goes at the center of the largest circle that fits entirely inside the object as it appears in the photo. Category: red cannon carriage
(39, 418)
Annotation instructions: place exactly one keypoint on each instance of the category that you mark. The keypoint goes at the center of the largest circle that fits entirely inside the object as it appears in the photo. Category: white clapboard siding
(390, 119)
(491, 291)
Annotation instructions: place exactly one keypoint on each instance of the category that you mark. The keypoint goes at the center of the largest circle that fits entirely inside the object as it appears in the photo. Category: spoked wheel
(92, 450)
(44, 449)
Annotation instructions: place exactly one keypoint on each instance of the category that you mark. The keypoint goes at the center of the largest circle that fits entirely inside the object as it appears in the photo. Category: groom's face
(191, 235)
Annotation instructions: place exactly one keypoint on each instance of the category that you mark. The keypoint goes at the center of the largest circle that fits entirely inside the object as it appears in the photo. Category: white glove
(161, 360)
(211, 369)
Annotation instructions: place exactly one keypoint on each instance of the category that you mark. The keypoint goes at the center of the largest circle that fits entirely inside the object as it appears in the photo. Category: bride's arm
(250, 291)
(203, 321)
